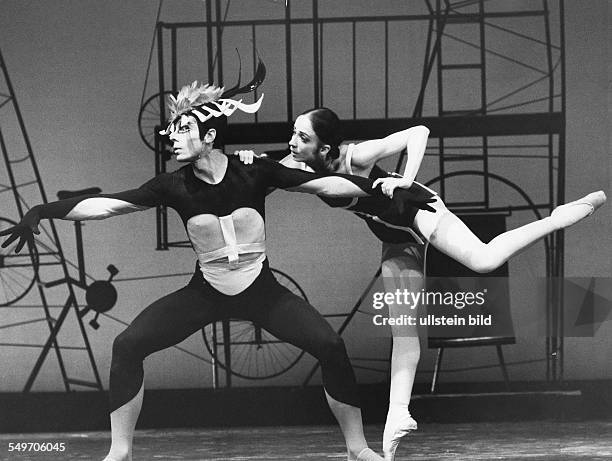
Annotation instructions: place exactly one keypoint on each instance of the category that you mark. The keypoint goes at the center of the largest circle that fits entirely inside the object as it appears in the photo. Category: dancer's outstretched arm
(86, 207)
(330, 184)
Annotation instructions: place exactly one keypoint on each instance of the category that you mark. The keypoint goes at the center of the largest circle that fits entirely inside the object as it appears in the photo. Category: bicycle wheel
(253, 352)
(148, 118)
(17, 271)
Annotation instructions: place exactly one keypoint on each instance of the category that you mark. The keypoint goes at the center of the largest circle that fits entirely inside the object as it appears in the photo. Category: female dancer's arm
(414, 140)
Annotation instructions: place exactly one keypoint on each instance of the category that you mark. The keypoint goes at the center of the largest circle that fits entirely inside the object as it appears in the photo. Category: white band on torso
(234, 280)
(227, 252)
(230, 249)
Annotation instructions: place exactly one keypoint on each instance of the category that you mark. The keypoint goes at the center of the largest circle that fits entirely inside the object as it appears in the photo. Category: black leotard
(402, 231)
(390, 220)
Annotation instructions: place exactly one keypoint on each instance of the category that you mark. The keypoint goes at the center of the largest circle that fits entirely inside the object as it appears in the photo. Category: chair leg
(436, 370)
(502, 364)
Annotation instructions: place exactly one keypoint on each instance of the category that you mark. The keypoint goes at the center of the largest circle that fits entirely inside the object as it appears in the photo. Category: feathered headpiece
(206, 101)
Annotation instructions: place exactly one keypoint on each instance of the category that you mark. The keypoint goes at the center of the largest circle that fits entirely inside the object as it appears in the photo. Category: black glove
(413, 197)
(404, 201)
(23, 231)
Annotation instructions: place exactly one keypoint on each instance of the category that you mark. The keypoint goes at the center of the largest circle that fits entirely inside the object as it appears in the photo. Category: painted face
(304, 143)
(185, 137)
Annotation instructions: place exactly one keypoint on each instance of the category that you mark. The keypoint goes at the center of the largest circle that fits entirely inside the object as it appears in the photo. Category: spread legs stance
(173, 318)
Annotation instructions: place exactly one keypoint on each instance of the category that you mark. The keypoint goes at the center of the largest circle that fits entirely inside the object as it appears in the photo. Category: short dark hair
(220, 126)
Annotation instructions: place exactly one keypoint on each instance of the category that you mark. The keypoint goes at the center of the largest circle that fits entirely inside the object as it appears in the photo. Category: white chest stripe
(229, 235)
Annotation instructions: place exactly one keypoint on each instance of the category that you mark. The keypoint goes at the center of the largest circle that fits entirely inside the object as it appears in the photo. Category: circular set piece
(253, 352)
(18, 271)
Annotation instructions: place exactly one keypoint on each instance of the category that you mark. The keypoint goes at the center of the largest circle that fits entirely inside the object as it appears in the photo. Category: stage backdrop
(78, 70)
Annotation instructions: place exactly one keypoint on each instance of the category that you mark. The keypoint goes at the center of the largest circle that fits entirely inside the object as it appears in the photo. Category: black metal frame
(466, 122)
(51, 256)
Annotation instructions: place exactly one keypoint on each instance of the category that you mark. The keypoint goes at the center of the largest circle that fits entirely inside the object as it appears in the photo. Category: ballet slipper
(572, 212)
(367, 454)
(110, 458)
(395, 429)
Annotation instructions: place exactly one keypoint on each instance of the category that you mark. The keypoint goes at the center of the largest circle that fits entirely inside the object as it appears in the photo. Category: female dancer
(221, 204)
(316, 146)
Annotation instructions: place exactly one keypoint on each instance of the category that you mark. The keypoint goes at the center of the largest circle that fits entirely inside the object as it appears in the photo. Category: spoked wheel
(148, 118)
(17, 271)
(253, 352)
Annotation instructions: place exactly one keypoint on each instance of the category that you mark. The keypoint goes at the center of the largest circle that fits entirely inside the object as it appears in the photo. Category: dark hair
(220, 126)
(326, 125)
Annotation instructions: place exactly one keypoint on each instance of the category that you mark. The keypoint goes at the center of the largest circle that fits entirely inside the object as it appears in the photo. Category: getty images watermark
(469, 307)
(411, 300)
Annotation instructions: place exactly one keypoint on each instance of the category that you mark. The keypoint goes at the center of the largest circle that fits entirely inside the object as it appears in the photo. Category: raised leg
(450, 235)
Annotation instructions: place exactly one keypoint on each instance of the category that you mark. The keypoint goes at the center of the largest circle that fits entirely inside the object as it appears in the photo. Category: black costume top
(383, 227)
(224, 221)
(390, 220)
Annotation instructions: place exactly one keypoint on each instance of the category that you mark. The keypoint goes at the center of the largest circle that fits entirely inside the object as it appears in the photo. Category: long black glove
(413, 197)
(396, 210)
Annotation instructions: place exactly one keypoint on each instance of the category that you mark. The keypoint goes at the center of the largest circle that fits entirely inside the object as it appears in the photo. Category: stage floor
(542, 440)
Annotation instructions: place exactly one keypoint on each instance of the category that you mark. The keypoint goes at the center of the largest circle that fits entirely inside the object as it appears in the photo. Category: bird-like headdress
(205, 101)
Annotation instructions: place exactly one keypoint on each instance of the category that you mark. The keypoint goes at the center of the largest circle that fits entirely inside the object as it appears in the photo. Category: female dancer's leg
(449, 234)
(293, 320)
(164, 323)
(402, 269)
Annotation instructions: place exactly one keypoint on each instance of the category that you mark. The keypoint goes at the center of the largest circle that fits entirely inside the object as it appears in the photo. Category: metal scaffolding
(27, 278)
(469, 44)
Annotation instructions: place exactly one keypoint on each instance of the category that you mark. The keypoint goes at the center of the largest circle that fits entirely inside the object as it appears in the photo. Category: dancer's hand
(23, 231)
(404, 202)
(388, 185)
(247, 156)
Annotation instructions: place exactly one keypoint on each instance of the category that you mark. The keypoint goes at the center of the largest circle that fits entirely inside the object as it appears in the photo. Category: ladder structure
(473, 71)
(470, 18)
(37, 280)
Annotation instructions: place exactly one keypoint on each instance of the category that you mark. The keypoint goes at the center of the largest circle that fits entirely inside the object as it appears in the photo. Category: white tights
(402, 269)
(451, 236)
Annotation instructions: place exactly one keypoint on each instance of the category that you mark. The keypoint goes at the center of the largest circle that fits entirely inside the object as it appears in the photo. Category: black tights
(266, 303)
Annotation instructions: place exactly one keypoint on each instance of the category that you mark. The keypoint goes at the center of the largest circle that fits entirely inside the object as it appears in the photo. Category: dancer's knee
(483, 261)
(332, 350)
(338, 376)
(126, 371)
(126, 346)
